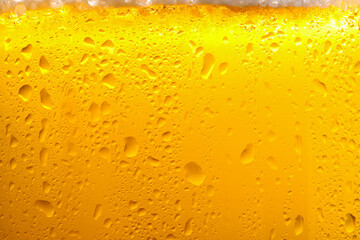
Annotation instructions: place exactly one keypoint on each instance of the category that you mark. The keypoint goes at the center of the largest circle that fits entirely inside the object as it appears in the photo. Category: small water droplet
(274, 47)
(108, 223)
(14, 142)
(247, 155)
(89, 41)
(97, 211)
(170, 237)
(94, 110)
(105, 153)
(46, 187)
(153, 161)
(148, 71)
(327, 47)
(44, 154)
(272, 163)
(12, 163)
(223, 67)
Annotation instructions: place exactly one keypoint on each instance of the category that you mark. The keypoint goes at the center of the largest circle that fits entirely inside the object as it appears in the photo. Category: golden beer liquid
(180, 122)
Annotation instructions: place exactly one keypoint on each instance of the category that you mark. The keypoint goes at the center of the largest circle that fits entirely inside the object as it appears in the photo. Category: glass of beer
(150, 120)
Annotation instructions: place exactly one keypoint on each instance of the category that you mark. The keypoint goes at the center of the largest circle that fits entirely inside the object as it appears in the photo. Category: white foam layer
(7, 5)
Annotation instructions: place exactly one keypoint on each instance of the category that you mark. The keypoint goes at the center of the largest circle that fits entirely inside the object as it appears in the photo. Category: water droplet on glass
(194, 173)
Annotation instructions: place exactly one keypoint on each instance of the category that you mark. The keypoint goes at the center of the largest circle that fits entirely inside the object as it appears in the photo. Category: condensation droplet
(223, 67)
(46, 187)
(247, 155)
(97, 211)
(131, 147)
(299, 225)
(249, 48)
(274, 47)
(108, 44)
(94, 110)
(109, 80)
(153, 161)
(108, 223)
(321, 86)
(170, 237)
(161, 122)
(44, 154)
(194, 173)
(141, 212)
(188, 227)
(167, 136)
(105, 108)
(272, 234)
(208, 66)
(14, 142)
(271, 136)
(350, 223)
(89, 41)
(327, 47)
(105, 153)
(12, 163)
(46, 207)
(44, 64)
(298, 144)
(272, 163)
(27, 49)
(148, 71)
(46, 100)
(133, 205)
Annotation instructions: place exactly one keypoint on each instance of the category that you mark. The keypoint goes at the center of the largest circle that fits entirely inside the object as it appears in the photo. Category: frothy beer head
(19, 7)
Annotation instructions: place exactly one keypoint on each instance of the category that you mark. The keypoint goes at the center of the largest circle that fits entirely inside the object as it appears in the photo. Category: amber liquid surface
(180, 122)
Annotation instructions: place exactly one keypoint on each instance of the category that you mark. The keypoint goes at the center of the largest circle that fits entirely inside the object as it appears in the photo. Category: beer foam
(9, 5)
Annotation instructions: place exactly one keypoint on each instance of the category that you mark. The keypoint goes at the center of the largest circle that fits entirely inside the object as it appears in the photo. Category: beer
(179, 122)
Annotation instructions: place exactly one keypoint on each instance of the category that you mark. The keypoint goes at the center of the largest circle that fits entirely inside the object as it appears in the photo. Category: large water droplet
(44, 64)
(208, 66)
(131, 147)
(299, 225)
(46, 99)
(194, 173)
(350, 223)
(109, 80)
(188, 227)
(46, 207)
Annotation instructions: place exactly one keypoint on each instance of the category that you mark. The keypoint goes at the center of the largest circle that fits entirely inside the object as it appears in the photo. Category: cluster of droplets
(153, 131)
